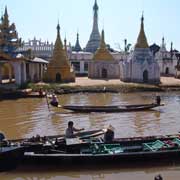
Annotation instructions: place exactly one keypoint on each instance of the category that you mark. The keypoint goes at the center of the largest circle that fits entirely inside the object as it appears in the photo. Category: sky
(119, 18)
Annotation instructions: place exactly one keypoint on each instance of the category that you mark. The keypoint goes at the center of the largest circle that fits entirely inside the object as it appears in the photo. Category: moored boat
(124, 150)
(10, 157)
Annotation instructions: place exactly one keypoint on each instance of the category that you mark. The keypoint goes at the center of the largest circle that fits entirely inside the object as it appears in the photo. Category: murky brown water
(27, 117)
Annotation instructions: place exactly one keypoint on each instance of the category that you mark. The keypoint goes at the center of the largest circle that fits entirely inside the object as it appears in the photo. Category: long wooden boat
(118, 151)
(10, 157)
(111, 109)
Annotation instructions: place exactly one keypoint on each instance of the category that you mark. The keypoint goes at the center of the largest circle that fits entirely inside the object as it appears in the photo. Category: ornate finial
(6, 17)
(163, 46)
(6, 12)
(58, 26)
(163, 40)
(65, 41)
(102, 43)
(171, 46)
(65, 45)
(95, 6)
(125, 45)
(171, 51)
(142, 18)
(142, 41)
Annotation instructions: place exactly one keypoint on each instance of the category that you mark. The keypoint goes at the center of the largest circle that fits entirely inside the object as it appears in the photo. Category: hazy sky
(120, 19)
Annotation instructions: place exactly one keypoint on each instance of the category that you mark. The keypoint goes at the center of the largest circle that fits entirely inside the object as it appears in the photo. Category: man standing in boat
(158, 100)
(71, 129)
(109, 135)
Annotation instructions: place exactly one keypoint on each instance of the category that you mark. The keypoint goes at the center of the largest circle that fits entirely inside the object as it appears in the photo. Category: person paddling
(71, 129)
(3, 141)
(41, 92)
(54, 101)
(158, 100)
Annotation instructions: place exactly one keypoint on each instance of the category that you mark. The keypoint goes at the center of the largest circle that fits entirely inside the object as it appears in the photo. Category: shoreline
(85, 85)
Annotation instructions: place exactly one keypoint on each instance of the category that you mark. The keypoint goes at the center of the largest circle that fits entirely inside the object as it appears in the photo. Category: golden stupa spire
(102, 52)
(142, 41)
(102, 43)
(58, 42)
(59, 57)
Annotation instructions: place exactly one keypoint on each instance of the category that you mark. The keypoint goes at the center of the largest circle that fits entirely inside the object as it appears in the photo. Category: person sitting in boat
(71, 129)
(158, 100)
(109, 134)
(54, 101)
(3, 141)
(41, 92)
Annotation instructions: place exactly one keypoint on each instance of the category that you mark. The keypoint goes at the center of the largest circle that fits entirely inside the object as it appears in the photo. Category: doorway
(145, 76)
(167, 71)
(58, 77)
(104, 73)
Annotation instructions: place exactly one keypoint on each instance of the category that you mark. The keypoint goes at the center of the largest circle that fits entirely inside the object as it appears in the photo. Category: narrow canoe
(111, 109)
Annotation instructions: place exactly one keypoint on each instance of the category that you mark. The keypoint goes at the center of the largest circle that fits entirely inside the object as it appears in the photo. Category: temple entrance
(7, 73)
(167, 71)
(104, 73)
(58, 77)
(145, 76)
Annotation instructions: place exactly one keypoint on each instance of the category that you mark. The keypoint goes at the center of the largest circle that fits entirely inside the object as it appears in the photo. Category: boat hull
(10, 157)
(124, 158)
(110, 109)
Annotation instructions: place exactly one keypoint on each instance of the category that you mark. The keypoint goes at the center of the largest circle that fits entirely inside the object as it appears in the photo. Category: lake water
(27, 117)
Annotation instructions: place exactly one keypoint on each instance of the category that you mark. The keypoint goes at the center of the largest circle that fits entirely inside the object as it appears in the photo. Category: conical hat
(110, 127)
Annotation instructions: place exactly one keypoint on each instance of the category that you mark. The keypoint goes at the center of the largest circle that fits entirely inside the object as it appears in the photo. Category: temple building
(78, 56)
(167, 60)
(37, 48)
(94, 39)
(103, 64)
(141, 66)
(12, 66)
(16, 67)
(59, 68)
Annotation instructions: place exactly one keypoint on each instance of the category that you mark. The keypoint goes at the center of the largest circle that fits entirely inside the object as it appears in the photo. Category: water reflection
(133, 172)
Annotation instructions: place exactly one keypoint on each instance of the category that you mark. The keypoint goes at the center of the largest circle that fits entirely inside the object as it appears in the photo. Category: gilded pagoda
(59, 68)
(103, 64)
